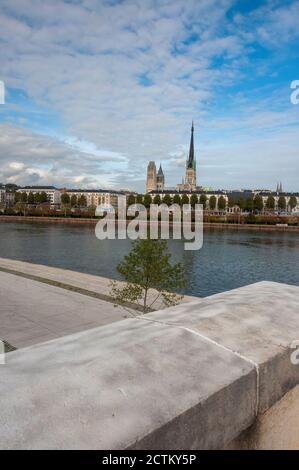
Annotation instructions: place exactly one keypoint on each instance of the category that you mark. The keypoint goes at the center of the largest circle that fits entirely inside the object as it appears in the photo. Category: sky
(94, 89)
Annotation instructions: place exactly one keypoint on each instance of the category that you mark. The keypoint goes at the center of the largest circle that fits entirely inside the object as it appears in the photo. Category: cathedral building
(189, 184)
(160, 179)
(151, 180)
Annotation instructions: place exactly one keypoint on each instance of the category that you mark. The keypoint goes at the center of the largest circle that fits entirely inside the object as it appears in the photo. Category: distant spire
(160, 172)
(191, 157)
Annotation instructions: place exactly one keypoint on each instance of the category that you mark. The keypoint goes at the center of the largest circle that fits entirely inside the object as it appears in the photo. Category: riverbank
(207, 225)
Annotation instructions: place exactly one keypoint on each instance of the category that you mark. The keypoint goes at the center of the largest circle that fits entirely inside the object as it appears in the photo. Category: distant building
(189, 184)
(53, 194)
(160, 180)
(151, 180)
(95, 197)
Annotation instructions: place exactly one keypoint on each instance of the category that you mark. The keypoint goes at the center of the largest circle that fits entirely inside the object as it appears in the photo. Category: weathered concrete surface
(32, 312)
(97, 284)
(189, 377)
(129, 384)
(258, 321)
(276, 429)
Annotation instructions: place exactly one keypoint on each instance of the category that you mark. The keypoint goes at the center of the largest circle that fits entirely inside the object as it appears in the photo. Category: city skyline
(85, 108)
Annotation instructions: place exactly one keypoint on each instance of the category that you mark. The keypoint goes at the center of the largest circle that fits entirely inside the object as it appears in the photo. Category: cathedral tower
(151, 180)
(160, 179)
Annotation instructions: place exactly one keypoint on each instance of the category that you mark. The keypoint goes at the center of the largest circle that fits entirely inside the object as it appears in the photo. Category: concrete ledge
(182, 378)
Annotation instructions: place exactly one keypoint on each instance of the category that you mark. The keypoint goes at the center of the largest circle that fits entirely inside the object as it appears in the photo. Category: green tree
(241, 203)
(258, 203)
(37, 198)
(212, 203)
(157, 199)
(18, 197)
(74, 200)
(139, 199)
(292, 202)
(203, 200)
(193, 200)
(131, 199)
(65, 199)
(270, 203)
(231, 201)
(147, 200)
(24, 198)
(82, 201)
(43, 197)
(282, 203)
(177, 199)
(185, 199)
(222, 203)
(167, 200)
(31, 198)
(147, 268)
(249, 204)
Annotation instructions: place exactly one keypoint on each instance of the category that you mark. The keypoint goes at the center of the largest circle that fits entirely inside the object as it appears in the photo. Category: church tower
(160, 179)
(190, 179)
(151, 180)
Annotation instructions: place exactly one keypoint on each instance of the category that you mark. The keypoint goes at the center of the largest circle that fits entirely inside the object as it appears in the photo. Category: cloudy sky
(96, 88)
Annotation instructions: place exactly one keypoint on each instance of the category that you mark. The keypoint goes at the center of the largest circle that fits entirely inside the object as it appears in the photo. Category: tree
(37, 198)
(258, 203)
(74, 200)
(282, 203)
(131, 199)
(203, 200)
(167, 200)
(18, 197)
(231, 202)
(147, 200)
(157, 199)
(292, 202)
(177, 199)
(31, 198)
(185, 199)
(139, 199)
(270, 203)
(249, 204)
(212, 203)
(65, 199)
(147, 267)
(24, 198)
(43, 197)
(193, 200)
(241, 203)
(82, 201)
(221, 203)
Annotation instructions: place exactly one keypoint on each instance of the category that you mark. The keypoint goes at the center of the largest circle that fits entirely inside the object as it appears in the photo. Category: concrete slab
(129, 384)
(31, 311)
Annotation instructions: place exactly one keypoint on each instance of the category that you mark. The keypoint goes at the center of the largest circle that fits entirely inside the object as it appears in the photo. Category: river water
(228, 259)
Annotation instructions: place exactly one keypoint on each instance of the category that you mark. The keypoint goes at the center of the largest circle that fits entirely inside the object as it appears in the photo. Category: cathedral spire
(191, 157)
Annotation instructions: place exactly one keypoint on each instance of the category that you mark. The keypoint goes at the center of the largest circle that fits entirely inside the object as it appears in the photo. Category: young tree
(270, 203)
(167, 200)
(193, 200)
(185, 199)
(157, 199)
(139, 199)
(282, 203)
(221, 203)
(17, 197)
(212, 203)
(258, 203)
(74, 200)
(147, 200)
(249, 204)
(24, 198)
(65, 199)
(131, 199)
(30, 198)
(241, 203)
(292, 202)
(82, 201)
(177, 199)
(203, 200)
(147, 267)
(43, 197)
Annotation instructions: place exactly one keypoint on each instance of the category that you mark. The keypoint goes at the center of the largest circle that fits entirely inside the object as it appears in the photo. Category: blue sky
(95, 89)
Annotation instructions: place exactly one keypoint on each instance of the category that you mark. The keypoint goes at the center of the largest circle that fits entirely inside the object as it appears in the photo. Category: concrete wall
(195, 376)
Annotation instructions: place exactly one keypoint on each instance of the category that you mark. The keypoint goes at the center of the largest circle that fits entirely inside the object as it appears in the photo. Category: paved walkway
(39, 303)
